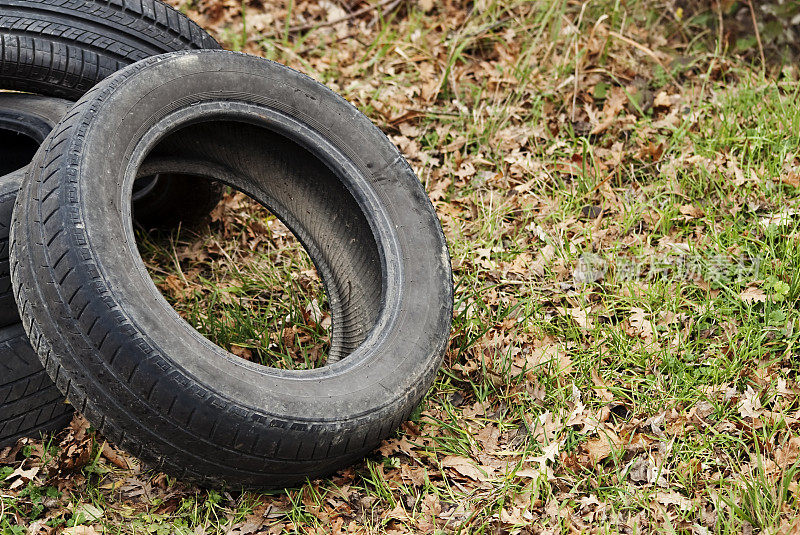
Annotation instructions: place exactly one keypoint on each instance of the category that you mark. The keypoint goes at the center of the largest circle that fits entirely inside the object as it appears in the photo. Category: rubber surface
(140, 373)
(9, 185)
(25, 121)
(62, 48)
(29, 401)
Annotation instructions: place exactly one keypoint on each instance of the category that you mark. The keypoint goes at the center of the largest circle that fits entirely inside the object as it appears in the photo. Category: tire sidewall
(396, 367)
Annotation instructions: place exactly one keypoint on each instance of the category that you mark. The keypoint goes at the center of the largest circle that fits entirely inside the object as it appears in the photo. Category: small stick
(758, 34)
(577, 62)
(643, 49)
(354, 14)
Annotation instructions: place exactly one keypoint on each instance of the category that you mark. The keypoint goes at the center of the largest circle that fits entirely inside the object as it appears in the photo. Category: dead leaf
(581, 317)
(615, 103)
(691, 211)
(601, 387)
(663, 100)
(512, 517)
(88, 512)
(792, 179)
(753, 294)
(467, 467)
(394, 445)
(640, 325)
(117, 459)
(779, 219)
(426, 5)
(21, 476)
(242, 352)
(750, 404)
(549, 454)
(674, 498)
(601, 447)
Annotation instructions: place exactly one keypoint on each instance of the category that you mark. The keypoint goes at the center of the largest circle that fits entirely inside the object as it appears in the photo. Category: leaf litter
(598, 176)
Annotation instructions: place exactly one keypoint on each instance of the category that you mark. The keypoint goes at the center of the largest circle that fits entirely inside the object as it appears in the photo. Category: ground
(619, 184)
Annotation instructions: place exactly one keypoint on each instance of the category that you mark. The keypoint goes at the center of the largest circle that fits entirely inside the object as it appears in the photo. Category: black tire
(29, 401)
(62, 48)
(25, 121)
(9, 185)
(139, 372)
(168, 200)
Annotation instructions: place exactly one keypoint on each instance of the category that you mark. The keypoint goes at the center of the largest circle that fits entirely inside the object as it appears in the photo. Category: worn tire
(9, 185)
(144, 376)
(25, 121)
(62, 48)
(29, 401)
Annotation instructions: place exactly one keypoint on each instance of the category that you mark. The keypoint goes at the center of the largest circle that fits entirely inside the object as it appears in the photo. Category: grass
(246, 283)
(659, 394)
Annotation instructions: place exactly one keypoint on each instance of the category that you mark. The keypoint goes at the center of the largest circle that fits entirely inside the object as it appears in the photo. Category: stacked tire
(140, 373)
(29, 401)
(56, 50)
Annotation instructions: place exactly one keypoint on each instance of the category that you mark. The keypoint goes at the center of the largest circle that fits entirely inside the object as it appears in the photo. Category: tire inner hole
(243, 281)
(16, 150)
(288, 268)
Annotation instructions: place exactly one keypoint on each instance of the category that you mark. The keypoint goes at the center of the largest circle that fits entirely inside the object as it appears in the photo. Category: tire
(62, 48)
(144, 376)
(25, 121)
(9, 185)
(168, 200)
(29, 401)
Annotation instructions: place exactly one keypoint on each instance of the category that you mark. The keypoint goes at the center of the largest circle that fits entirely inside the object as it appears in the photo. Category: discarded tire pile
(141, 143)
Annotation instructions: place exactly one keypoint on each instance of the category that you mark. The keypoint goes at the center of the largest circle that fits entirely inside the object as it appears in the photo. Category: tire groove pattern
(64, 47)
(29, 401)
(130, 369)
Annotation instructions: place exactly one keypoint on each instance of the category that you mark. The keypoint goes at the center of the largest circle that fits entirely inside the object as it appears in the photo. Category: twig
(388, 10)
(351, 35)
(354, 14)
(345, 6)
(227, 256)
(721, 29)
(434, 112)
(175, 258)
(758, 34)
(577, 61)
(645, 50)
